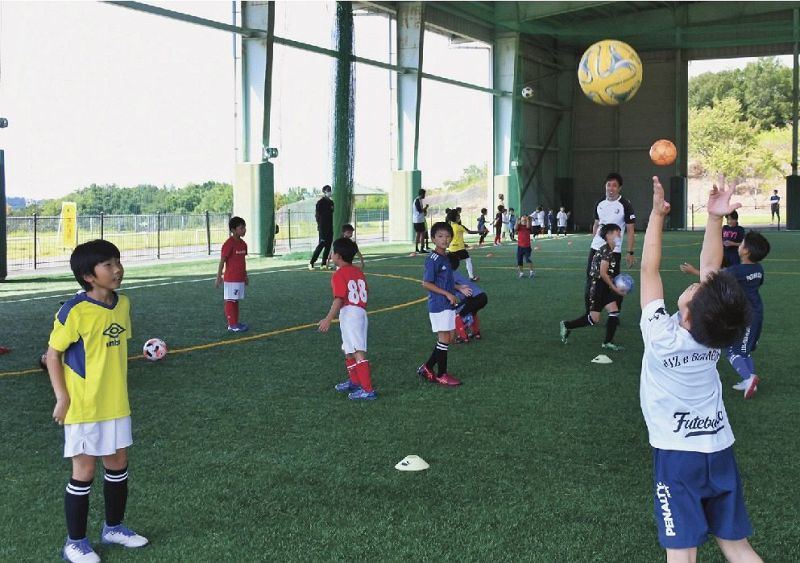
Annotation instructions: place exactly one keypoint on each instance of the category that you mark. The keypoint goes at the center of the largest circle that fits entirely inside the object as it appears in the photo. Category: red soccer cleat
(425, 372)
(448, 380)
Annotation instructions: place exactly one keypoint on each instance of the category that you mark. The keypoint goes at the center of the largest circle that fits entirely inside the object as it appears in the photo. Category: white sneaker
(741, 386)
(521, 274)
(752, 386)
(79, 552)
(123, 536)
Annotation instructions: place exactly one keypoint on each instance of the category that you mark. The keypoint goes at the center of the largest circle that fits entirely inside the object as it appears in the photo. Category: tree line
(740, 124)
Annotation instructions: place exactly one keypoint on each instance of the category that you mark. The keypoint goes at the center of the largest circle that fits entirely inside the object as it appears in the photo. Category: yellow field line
(261, 335)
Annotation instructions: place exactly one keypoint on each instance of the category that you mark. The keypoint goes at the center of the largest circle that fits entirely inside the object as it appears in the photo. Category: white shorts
(353, 324)
(443, 321)
(97, 438)
(234, 291)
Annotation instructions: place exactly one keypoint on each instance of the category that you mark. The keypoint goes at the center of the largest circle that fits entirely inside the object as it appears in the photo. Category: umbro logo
(114, 330)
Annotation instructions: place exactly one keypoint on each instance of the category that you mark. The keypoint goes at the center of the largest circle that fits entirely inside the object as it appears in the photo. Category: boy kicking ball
(696, 485)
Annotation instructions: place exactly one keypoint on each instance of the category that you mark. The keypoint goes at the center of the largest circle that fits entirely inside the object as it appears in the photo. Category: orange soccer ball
(663, 152)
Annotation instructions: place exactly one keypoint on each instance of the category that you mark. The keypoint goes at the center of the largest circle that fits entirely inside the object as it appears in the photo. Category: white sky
(96, 93)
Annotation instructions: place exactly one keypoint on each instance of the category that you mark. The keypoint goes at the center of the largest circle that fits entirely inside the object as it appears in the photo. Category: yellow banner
(69, 223)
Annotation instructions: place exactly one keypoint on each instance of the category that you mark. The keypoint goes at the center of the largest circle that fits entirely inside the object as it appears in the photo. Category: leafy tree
(762, 88)
(720, 140)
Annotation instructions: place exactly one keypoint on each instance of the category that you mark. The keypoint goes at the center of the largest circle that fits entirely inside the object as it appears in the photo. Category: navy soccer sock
(76, 507)
(115, 492)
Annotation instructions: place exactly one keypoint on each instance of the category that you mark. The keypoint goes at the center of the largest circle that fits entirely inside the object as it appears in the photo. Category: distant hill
(16, 202)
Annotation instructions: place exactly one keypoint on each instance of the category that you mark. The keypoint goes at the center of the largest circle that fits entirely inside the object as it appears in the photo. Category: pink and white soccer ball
(154, 349)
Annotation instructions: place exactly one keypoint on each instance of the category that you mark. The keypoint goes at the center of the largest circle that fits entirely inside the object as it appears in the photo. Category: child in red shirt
(232, 260)
(350, 295)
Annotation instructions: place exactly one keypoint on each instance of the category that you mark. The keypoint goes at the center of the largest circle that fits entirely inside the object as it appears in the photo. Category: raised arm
(719, 205)
(652, 288)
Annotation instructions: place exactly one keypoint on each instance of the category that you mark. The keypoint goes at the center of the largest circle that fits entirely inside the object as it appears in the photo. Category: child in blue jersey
(697, 489)
(482, 229)
(438, 280)
(87, 361)
(467, 320)
(750, 275)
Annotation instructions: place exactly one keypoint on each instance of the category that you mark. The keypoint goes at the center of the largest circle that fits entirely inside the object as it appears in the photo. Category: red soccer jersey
(348, 283)
(233, 252)
(523, 236)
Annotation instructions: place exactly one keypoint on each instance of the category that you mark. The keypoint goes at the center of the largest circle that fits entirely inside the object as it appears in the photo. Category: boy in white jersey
(696, 485)
(87, 361)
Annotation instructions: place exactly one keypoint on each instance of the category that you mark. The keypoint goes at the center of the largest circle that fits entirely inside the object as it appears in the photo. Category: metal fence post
(208, 232)
(383, 224)
(158, 235)
(102, 215)
(693, 216)
(35, 228)
(289, 221)
(355, 223)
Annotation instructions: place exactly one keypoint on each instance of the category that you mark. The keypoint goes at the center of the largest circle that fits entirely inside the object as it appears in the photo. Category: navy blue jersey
(438, 272)
(460, 279)
(750, 277)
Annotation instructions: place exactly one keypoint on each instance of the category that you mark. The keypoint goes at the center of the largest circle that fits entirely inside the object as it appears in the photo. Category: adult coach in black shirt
(613, 208)
(324, 216)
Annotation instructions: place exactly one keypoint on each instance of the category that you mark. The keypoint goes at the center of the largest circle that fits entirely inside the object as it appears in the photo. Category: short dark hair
(757, 246)
(347, 227)
(483, 210)
(88, 255)
(441, 226)
(454, 261)
(451, 215)
(421, 192)
(326, 188)
(608, 228)
(346, 248)
(235, 222)
(733, 215)
(719, 311)
(614, 176)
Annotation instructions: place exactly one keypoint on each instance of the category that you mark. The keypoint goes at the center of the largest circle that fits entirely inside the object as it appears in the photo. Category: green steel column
(254, 190)
(506, 114)
(795, 89)
(343, 117)
(3, 231)
(407, 179)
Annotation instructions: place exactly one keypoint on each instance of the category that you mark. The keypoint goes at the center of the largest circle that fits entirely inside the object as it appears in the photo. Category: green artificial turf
(244, 452)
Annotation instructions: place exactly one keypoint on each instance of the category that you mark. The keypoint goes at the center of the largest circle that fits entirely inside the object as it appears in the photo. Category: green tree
(762, 88)
(720, 140)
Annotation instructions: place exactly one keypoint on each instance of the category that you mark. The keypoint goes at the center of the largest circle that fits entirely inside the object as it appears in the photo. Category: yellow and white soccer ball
(610, 72)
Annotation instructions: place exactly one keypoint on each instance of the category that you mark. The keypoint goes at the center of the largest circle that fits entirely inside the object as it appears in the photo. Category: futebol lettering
(699, 424)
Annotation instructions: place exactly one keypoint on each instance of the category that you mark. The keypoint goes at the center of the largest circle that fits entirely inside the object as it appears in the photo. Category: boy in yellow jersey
(87, 361)
(457, 246)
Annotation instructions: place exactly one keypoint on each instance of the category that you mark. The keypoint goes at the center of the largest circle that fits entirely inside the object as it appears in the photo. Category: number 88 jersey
(349, 284)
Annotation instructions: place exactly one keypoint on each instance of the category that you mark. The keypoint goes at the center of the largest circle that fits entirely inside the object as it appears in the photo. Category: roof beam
(537, 10)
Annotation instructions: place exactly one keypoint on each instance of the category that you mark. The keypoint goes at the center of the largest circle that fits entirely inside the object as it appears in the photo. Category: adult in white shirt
(418, 212)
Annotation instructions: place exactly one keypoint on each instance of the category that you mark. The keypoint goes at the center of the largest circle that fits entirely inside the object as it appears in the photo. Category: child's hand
(451, 298)
(324, 324)
(60, 410)
(660, 207)
(465, 289)
(218, 281)
(687, 268)
(719, 202)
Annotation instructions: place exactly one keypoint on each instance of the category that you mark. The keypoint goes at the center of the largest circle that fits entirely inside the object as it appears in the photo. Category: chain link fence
(35, 242)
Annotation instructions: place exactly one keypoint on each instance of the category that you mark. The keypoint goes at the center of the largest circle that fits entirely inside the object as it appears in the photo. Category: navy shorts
(523, 252)
(696, 494)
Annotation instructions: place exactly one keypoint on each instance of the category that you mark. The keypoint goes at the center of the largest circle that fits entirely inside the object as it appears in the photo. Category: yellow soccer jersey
(458, 238)
(94, 339)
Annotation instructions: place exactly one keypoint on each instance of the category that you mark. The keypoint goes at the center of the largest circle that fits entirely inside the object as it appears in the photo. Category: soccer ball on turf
(527, 92)
(624, 283)
(610, 72)
(154, 349)
(663, 152)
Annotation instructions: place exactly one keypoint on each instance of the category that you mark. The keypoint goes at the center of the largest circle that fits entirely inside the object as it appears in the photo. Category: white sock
(469, 268)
